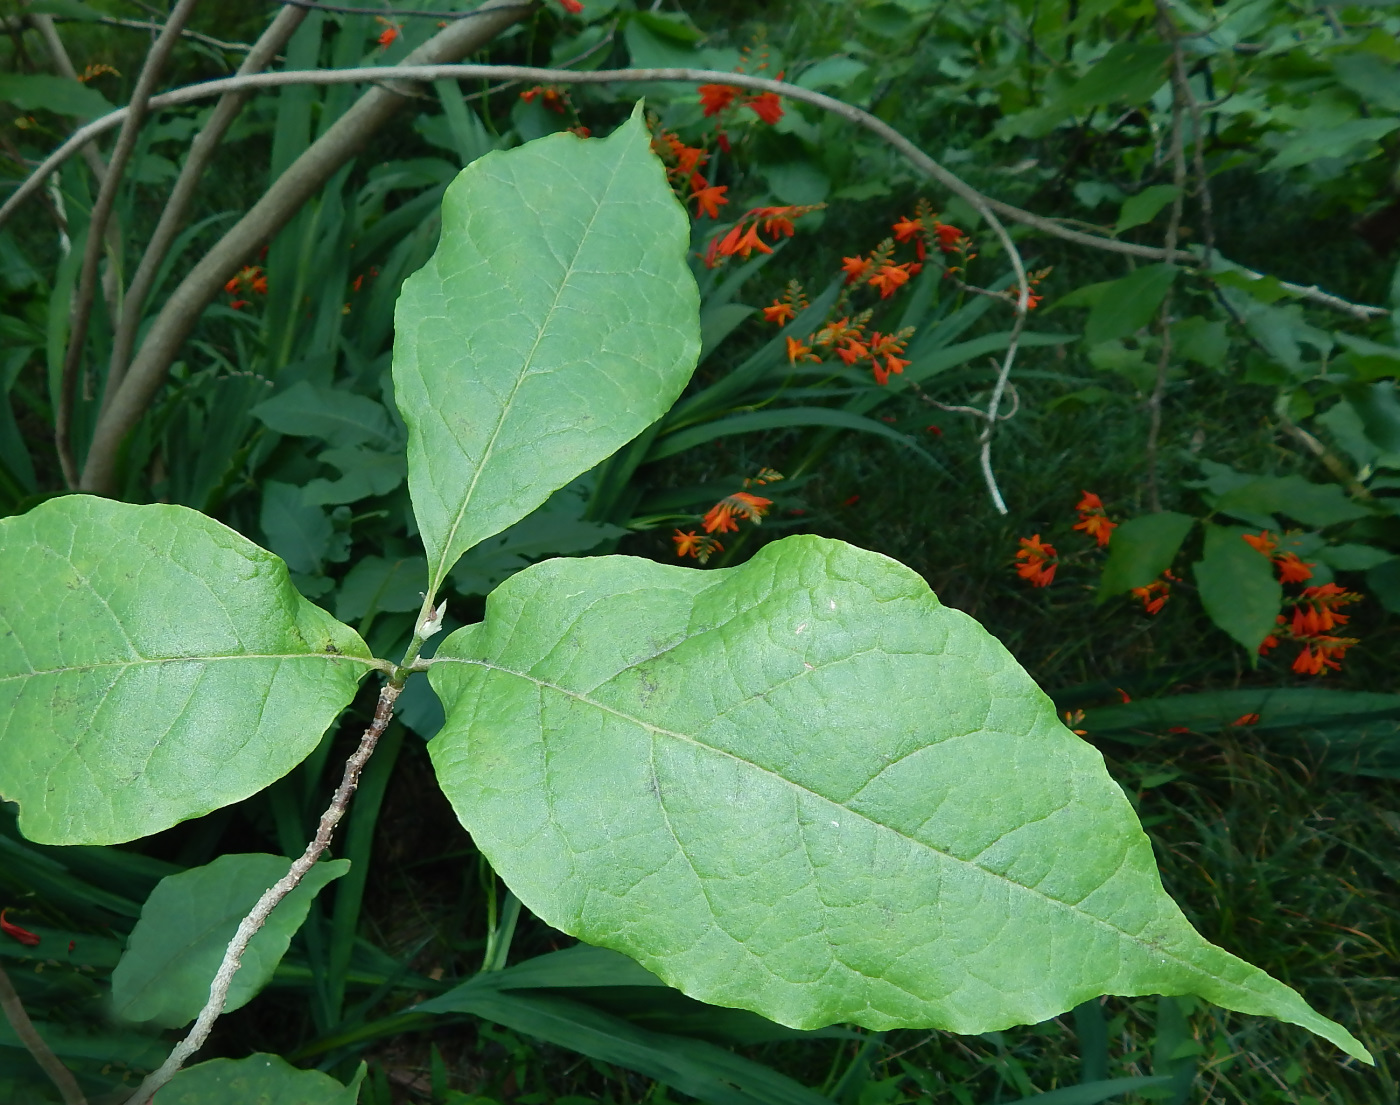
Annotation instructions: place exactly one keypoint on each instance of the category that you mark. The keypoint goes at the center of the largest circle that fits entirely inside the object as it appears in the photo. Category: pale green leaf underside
(154, 666)
(804, 787)
(557, 320)
(257, 1080)
(186, 924)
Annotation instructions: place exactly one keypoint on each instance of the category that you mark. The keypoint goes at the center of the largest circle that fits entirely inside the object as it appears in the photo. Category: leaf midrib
(658, 730)
(333, 656)
(445, 558)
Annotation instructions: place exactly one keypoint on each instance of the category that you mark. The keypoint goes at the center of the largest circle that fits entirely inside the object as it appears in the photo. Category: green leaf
(1201, 340)
(1127, 305)
(1090, 1093)
(257, 1080)
(154, 666)
(337, 417)
(1143, 207)
(364, 472)
(375, 583)
(693, 1067)
(297, 531)
(1237, 587)
(186, 924)
(1277, 707)
(1313, 504)
(555, 322)
(1142, 549)
(1354, 137)
(1353, 558)
(1129, 73)
(805, 788)
(41, 92)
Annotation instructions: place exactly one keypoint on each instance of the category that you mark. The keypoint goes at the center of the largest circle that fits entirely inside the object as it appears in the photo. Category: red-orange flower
(714, 98)
(1094, 522)
(882, 373)
(388, 35)
(1039, 557)
(1291, 569)
(797, 351)
(14, 932)
(779, 312)
(855, 268)
(1262, 542)
(708, 200)
(906, 228)
(767, 106)
(699, 545)
(1245, 719)
(573, 7)
(1154, 596)
(890, 279)
(950, 238)
(741, 504)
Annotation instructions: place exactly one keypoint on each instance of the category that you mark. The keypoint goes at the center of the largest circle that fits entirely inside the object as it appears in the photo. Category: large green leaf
(257, 1080)
(804, 787)
(154, 666)
(1142, 549)
(1127, 305)
(1237, 586)
(555, 322)
(187, 922)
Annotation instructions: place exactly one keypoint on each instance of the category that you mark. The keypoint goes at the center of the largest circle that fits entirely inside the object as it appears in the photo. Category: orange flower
(1039, 557)
(1154, 596)
(573, 7)
(890, 278)
(1245, 719)
(701, 546)
(797, 351)
(855, 268)
(260, 285)
(906, 228)
(387, 36)
(1263, 542)
(950, 238)
(767, 106)
(1291, 569)
(708, 200)
(892, 365)
(714, 98)
(779, 312)
(852, 351)
(1090, 501)
(749, 507)
(1098, 527)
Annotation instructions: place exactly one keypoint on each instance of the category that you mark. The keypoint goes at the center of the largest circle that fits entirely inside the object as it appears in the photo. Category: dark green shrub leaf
(257, 1080)
(338, 417)
(1127, 305)
(1313, 504)
(187, 922)
(1143, 207)
(1237, 587)
(555, 322)
(41, 92)
(1142, 549)
(154, 666)
(804, 787)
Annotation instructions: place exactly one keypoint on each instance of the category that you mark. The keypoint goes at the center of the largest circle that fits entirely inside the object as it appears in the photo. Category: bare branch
(177, 207)
(29, 1036)
(101, 210)
(1053, 227)
(17, 23)
(1167, 29)
(258, 915)
(302, 179)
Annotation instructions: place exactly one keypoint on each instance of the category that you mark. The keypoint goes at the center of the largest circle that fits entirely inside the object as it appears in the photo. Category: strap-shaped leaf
(804, 787)
(556, 321)
(154, 666)
(257, 1080)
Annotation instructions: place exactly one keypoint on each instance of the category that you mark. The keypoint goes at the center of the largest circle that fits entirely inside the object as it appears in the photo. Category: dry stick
(11, 23)
(177, 207)
(24, 1028)
(193, 93)
(303, 178)
(1159, 388)
(58, 53)
(101, 210)
(258, 915)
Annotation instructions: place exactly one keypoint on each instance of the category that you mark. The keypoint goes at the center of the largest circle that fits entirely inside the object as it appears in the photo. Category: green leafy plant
(800, 786)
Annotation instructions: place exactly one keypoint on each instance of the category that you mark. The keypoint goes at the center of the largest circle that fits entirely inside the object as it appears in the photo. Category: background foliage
(1269, 794)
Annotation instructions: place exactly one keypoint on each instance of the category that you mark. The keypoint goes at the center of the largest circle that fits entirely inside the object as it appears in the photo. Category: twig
(177, 207)
(194, 93)
(258, 915)
(1333, 463)
(301, 180)
(1167, 28)
(409, 13)
(17, 23)
(29, 1036)
(101, 210)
